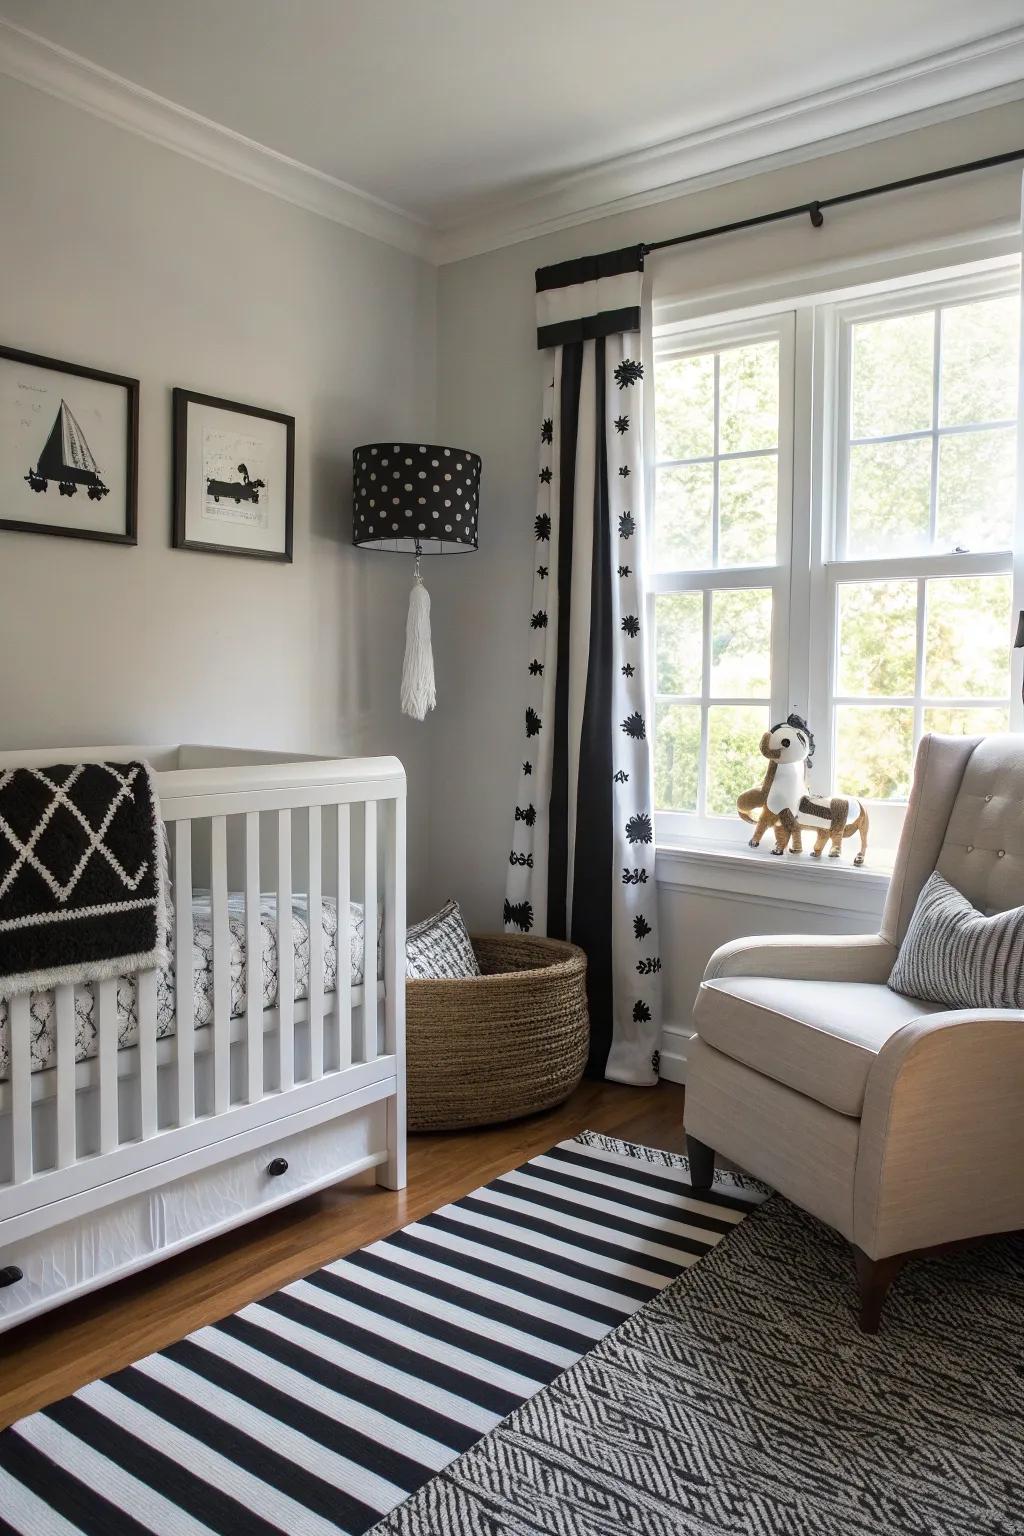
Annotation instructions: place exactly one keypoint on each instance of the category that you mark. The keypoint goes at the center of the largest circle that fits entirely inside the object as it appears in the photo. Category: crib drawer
(241, 1188)
(110, 1243)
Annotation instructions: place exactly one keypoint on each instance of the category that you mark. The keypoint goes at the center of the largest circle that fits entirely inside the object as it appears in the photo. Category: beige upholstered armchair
(897, 1122)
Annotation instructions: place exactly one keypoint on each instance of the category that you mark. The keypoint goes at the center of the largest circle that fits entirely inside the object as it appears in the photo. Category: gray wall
(488, 400)
(120, 254)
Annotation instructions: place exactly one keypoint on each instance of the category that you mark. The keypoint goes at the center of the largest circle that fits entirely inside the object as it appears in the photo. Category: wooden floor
(59, 1352)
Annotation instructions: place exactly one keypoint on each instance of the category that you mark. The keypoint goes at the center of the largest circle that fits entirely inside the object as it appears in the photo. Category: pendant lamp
(416, 499)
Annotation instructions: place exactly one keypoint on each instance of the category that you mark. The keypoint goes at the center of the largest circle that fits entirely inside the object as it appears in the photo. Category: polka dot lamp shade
(412, 498)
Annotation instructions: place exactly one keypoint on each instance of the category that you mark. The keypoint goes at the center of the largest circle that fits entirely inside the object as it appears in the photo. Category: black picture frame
(182, 400)
(131, 450)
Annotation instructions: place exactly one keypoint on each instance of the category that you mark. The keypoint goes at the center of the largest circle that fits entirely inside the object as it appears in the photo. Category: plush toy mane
(798, 724)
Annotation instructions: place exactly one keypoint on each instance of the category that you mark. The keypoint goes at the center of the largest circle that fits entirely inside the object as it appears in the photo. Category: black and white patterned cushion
(438, 948)
(954, 954)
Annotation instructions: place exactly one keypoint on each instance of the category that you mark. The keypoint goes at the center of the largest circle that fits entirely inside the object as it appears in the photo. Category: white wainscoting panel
(706, 898)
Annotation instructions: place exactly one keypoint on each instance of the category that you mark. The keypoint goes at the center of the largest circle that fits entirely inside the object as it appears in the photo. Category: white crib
(111, 1163)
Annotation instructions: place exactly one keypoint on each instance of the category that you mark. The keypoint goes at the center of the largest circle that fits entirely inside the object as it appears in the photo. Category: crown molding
(42, 64)
(986, 72)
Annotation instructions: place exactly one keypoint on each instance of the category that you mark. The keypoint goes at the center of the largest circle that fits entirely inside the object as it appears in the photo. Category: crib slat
(147, 996)
(20, 1026)
(66, 1135)
(393, 1174)
(184, 998)
(369, 1030)
(106, 1003)
(394, 926)
(285, 954)
(221, 965)
(343, 994)
(253, 960)
(316, 950)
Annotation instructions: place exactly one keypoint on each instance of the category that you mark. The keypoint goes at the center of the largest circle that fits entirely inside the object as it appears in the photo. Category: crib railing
(78, 1124)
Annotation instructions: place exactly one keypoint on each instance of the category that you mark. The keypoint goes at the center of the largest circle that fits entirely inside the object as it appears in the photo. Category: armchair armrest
(941, 1148)
(805, 957)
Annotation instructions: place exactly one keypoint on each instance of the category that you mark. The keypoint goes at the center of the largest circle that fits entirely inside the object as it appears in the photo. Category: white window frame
(814, 328)
(684, 340)
(833, 325)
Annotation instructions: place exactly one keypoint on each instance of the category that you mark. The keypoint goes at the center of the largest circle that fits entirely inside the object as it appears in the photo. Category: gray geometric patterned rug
(744, 1401)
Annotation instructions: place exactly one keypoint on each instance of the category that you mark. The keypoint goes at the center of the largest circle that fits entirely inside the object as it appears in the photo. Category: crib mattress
(44, 1009)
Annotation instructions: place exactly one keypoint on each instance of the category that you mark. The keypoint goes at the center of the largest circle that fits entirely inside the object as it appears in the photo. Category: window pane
(682, 518)
(979, 361)
(748, 383)
(684, 407)
(734, 759)
(877, 638)
(889, 497)
(977, 486)
(748, 493)
(967, 638)
(741, 643)
(874, 751)
(679, 642)
(967, 722)
(676, 756)
(891, 387)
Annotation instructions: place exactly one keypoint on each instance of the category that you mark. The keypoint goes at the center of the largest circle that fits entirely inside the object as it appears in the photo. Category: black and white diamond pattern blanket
(83, 874)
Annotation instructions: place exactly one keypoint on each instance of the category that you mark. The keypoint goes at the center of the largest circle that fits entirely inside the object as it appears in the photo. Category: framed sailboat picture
(69, 449)
(234, 472)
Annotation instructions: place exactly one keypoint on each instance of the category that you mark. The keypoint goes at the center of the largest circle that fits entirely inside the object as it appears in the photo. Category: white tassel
(418, 692)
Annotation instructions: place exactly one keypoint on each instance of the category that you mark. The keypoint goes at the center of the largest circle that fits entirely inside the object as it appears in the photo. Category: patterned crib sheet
(44, 1008)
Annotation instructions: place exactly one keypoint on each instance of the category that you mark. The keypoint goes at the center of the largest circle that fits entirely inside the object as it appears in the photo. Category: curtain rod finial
(816, 215)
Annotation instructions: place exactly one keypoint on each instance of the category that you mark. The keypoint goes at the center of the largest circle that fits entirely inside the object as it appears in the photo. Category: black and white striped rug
(323, 1407)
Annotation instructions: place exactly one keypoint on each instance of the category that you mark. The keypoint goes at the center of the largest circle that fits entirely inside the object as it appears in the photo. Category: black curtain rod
(816, 209)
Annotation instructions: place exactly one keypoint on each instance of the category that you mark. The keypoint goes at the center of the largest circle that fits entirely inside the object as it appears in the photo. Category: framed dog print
(234, 472)
(69, 449)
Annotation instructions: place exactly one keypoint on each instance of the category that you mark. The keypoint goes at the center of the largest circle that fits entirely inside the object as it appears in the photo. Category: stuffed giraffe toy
(784, 802)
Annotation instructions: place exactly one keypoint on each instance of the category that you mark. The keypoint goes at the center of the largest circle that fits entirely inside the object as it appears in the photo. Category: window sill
(758, 875)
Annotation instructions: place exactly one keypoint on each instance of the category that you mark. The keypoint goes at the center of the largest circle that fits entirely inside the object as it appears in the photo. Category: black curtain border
(593, 866)
(609, 322)
(558, 799)
(589, 269)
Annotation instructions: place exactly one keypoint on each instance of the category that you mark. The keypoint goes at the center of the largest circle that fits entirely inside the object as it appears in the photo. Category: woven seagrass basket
(509, 1042)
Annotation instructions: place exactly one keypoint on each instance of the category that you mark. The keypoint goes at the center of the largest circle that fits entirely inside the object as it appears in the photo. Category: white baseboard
(675, 1039)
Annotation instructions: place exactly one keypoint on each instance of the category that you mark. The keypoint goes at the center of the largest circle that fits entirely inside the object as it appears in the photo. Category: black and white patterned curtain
(582, 859)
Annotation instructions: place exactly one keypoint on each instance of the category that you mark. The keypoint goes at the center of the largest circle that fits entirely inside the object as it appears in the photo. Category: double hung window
(834, 530)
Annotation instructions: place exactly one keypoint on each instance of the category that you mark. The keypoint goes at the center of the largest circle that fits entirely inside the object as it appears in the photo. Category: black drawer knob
(10, 1275)
(277, 1166)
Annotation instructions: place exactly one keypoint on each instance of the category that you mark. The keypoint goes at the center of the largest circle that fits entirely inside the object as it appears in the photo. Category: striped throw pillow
(438, 948)
(954, 954)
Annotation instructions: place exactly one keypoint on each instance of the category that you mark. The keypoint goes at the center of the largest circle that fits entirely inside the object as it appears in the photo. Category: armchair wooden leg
(702, 1163)
(874, 1277)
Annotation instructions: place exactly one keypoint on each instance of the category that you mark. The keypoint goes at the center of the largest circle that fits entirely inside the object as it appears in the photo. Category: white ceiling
(447, 109)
